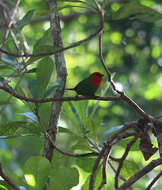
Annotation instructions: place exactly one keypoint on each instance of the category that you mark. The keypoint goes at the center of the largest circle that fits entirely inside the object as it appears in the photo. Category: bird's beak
(101, 75)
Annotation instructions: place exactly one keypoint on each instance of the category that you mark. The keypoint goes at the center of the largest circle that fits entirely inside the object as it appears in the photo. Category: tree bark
(61, 78)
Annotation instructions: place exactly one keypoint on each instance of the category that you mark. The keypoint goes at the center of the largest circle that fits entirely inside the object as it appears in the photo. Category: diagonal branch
(106, 157)
(123, 158)
(154, 181)
(7, 179)
(107, 149)
(140, 173)
(121, 93)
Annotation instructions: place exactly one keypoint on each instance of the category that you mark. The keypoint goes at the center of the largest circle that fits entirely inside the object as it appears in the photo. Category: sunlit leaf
(19, 181)
(129, 168)
(92, 126)
(44, 13)
(134, 10)
(25, 20)
(82, 144)
(36, 171)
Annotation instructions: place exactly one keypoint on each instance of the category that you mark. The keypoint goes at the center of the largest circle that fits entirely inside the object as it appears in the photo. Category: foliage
(132, 50)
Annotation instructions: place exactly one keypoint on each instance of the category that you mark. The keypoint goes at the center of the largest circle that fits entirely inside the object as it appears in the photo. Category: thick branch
(61, 77)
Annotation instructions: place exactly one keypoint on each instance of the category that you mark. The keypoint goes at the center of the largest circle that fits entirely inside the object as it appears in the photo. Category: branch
(106, 156)
(61, 99)
(122, 94)
(59, 50)
(7, 180)
(107, 149)
(61, 77)
(154, 181)
(140, 173)
(123, 158)
(67, 153)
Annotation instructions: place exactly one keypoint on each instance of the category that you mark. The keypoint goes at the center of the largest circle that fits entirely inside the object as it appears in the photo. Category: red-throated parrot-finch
(88, 86)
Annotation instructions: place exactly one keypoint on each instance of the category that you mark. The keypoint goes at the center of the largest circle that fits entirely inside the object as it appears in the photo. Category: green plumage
(85, 87)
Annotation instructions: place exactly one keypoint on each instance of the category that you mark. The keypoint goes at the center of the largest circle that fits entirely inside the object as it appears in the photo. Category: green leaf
(52, 88)
(82, 144)
(92, 126)
(3, 185)
(98, 181)
(25, 20)
(44, 72)
(135, 10)
(45, 13)
(66, 130)
(86, 163)
(44, 44)
(10, 128)
(8, 61)
(73, 1)
(30, 105)
(30, 115)
(33, 88)
(123, 143)
(17, 179)
(36, 172)
(129, 168)
(17, 128)
(44, 113)
(63, 178)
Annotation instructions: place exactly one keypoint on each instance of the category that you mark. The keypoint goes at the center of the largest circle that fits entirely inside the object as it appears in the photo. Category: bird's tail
(69, 88)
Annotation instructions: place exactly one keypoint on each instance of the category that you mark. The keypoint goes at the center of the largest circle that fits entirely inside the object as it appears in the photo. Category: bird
(88, 86)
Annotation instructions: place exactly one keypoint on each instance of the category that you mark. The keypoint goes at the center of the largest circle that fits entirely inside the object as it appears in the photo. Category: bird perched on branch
(88, 86)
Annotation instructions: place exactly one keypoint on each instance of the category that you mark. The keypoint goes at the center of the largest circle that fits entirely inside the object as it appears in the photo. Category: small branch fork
(7, 179)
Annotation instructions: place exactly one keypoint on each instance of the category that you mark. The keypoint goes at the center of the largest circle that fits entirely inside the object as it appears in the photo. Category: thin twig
(121, 93)
(154, 181)
(114, 170)
(107, 149)
(140, 173)
(129, 145)
(75, 44)
(67, 153)
(95, 167)
(12, 17)
(106, 157)
(7, 179)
